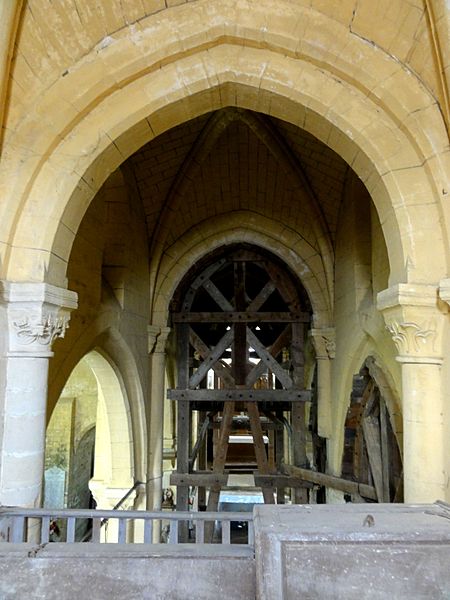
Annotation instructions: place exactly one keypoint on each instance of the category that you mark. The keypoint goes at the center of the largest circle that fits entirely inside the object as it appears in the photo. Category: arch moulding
(369, 110)
(243, 226)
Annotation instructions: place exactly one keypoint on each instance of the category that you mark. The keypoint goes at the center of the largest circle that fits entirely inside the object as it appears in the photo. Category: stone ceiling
(236, 160)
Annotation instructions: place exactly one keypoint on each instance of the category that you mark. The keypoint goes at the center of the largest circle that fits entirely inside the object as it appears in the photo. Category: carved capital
(152, 332)
(415, 322)
(161, 340)
(34, 315)
(157, 339)
(40, 329)
(413, 338)
(444, 290)
(324, 342)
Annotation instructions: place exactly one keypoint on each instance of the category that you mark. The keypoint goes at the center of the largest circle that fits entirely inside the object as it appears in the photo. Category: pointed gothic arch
(357, 111)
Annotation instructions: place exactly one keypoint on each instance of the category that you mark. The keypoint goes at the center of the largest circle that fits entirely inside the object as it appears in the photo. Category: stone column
(416, 323)
(32, 316)
(157, 352)
(324, 345)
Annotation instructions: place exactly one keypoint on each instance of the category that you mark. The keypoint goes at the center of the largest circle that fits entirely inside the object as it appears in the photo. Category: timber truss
(240, 330)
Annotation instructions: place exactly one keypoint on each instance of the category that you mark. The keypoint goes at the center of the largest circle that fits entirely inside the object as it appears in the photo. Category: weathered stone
(105, 571)
(375, 550)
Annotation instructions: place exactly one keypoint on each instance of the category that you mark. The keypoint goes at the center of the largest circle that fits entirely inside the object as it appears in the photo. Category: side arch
(108, 343)
(373, 434)
(114, 461)
(350, 364)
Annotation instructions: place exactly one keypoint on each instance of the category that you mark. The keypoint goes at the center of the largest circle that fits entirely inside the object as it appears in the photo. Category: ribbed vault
(239, 160)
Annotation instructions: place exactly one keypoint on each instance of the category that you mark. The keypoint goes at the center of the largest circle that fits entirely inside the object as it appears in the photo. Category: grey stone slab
(115, 551)
(352, 551)
(75, 571)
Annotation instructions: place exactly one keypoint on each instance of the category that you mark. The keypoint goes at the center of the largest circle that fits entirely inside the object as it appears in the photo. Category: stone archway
(92, 400)
(114, 464)
(240, 227)
(339, 101)
(63, 141)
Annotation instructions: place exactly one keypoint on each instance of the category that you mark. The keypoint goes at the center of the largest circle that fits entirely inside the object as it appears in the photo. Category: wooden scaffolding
(240, 332)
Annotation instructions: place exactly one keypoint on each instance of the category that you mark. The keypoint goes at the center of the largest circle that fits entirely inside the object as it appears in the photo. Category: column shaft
(423, 424)
(32, 316)
(156, 432)
(23, 409)
(417, 321)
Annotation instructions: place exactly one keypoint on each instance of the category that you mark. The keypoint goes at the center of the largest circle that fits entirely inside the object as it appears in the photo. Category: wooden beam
(199, 479)
(202, 460)
(281, 482)
(284, 285)
(212, 358)
(220, 457)
(241, 317)
(199, 441)
(282, 340)
(183, 424)
(240, 395)
(217, 295)
(369, 400)
(371, 430)
(337, 483)
(198, 282)
(384, 451)
(266, 425)
(281, 374)
(262, 296)
(298, 414)
(220, 368)
(279, 451)
(260, 450)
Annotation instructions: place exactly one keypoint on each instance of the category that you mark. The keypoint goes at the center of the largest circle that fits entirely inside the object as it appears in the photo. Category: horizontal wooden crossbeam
(199, 479)
(338, 483)
(281, 481)
(240, 395)
(206, 479)
(241, 317)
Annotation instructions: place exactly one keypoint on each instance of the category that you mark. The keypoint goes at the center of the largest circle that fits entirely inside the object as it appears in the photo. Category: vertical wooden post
(260, 451)
(384, 449)
(183, 425)
(300, 495)
(240, 329)
(220, 457)
(271, 450)
(279, 454)
(202, 458)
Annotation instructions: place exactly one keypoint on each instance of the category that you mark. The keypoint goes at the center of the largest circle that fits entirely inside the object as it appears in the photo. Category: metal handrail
(126, 496)
(19, 516)
(99, 513)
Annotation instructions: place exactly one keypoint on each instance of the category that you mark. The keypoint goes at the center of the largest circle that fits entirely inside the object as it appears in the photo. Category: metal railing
(34, 524)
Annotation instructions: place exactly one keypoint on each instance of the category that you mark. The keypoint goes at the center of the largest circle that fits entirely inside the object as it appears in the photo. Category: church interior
(224, 262)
